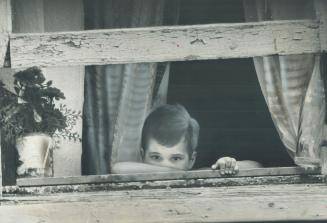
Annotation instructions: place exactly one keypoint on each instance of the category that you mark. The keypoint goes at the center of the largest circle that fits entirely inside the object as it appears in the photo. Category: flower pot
(34, 154)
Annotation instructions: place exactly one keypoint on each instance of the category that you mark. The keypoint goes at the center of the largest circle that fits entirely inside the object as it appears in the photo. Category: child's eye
(155, 157)
(176, 158)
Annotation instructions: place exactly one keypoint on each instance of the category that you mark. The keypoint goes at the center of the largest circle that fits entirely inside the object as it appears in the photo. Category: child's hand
(226, 165)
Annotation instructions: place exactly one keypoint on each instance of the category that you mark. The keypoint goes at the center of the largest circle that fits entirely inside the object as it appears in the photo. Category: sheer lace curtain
(292, 85)
(118, 97)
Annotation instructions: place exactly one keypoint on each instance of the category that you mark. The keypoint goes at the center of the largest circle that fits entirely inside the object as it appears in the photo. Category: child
(169, 141)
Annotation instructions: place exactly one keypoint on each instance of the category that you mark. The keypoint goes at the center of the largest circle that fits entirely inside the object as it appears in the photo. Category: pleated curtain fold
(292, 85)
(118, 97)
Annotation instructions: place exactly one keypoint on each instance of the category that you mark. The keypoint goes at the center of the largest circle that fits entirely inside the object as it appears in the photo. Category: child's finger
(222, 166)
(228, 163)
(234, 165)
(236, 169)
(215, 165)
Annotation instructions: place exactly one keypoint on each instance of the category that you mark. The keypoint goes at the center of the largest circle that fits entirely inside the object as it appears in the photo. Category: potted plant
(30, 119)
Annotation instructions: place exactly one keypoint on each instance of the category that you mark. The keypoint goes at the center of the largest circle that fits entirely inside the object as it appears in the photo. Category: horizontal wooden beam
(321, 7)
(4, 40)
(5, 28)
(258, 203)
(158, 44)
(162, 184)
(197, 174)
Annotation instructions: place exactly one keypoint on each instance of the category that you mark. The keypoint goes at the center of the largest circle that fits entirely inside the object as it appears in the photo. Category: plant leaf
(16, 90)
(49, 83)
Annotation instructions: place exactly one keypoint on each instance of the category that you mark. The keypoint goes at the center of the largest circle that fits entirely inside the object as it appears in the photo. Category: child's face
(175, 157)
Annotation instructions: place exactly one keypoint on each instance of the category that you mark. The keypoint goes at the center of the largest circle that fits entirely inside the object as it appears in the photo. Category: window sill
(296, 202)
(180, 179)
(266, 194)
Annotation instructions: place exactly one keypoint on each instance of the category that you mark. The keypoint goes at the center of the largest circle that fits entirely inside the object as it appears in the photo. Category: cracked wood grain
(158, 44)
(220, 204)
(178, 175)
(321, 9)
(5, 28)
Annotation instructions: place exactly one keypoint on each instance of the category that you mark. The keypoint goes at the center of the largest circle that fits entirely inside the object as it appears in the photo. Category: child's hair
(167, 124)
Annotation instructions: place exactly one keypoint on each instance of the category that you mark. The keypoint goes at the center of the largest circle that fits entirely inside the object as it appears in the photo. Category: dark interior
(225, 97)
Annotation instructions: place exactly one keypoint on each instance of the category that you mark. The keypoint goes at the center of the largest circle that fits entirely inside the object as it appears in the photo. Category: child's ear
(192, 161)
(142, 153)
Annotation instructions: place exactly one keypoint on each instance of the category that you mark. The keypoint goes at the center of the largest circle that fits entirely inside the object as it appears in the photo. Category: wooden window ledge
(178, 179)
(267, 194)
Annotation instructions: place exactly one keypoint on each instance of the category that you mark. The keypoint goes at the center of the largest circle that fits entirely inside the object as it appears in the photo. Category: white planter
(35, 151)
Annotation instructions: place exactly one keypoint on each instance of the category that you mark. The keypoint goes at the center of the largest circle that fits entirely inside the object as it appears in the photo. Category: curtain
(292, 85)
(118, 97)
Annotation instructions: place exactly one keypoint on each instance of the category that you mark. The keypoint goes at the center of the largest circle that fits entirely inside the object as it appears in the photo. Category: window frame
(26, 191)
(204, 175)
(316, 45)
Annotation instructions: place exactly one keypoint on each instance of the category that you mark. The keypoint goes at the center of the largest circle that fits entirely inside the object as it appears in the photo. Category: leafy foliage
(32, 108)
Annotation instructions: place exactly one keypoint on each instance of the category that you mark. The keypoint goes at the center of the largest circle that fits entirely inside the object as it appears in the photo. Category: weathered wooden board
(5, 28)
(4, 39)
(164, 184)
(196, 174)
(321, 9)
(220, 204)
(157, 44)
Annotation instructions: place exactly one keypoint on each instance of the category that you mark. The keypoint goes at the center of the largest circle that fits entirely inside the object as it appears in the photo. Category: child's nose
(167, 163)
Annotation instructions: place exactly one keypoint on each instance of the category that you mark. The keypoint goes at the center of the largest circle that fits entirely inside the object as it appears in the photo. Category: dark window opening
(224, 96)
(210, 11)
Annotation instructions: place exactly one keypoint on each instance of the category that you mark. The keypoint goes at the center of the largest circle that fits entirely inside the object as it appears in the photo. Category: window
(198, 43)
